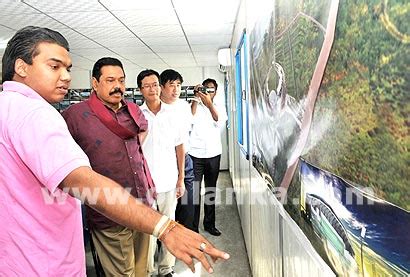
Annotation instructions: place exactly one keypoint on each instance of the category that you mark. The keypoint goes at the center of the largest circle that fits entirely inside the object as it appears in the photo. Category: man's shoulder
(182, 106)
(132, 105)
(11, 110)
(77, 107)
(182, 103)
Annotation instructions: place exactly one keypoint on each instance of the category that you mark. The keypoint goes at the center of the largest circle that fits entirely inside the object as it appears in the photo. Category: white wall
(80, 79)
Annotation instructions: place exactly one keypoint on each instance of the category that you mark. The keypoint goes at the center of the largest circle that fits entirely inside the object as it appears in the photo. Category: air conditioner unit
(224, 59)
(223, 68)
(224, 56)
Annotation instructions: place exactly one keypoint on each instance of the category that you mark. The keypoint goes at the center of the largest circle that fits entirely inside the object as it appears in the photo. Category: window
(242, 95)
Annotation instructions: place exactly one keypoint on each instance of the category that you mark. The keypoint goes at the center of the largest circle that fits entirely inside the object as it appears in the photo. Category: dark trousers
(207, 168)
(184, 212)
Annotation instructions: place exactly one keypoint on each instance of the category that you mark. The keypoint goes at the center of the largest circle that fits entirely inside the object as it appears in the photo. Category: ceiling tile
(222, 40)
(120, 42)
(94, 32)
(172, 40)
(19, 21)
(157, 30)
(66, 6)
(185, 60)
(139, 56)
(13, 7)
(82, 44)
(121, 5)
(87, 19)
(170, 48)
(176, 55)
(70, 34)
(91, 52)
(211, 11)
(214, 30)
(131, 50)
(147, 17)
(205, 47)
(105, 32)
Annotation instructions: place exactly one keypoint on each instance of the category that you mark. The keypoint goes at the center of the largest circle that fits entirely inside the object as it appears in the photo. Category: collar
(21, 88)
(164, 107)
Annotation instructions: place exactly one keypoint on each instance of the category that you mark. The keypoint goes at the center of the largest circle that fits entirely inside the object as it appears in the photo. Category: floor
(231, 240)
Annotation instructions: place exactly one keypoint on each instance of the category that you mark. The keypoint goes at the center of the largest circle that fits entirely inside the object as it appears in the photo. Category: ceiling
(143, 34)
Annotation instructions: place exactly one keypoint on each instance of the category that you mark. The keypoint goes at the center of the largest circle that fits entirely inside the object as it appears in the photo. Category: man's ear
(94, 83)
(20, 68)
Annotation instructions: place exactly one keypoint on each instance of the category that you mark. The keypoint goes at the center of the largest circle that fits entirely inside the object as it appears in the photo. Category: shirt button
(130, 157)
(135, 173)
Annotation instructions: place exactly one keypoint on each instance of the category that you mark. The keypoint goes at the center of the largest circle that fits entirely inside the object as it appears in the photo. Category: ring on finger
(202, 246)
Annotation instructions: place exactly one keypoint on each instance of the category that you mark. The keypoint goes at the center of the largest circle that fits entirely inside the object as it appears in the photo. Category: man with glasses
(164, 150)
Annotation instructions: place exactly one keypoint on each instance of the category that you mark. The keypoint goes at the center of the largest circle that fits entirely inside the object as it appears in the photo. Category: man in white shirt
(171, 82)
(164, 151)
(205, 150)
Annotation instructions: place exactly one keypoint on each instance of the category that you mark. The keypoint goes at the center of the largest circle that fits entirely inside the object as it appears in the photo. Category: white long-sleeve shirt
(185, 117)
(164, 134)
(205, 138)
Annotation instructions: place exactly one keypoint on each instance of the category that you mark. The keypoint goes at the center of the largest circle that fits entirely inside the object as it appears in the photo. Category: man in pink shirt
(41, 232)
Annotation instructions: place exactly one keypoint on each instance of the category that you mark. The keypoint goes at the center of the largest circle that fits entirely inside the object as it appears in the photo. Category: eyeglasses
(148, 86)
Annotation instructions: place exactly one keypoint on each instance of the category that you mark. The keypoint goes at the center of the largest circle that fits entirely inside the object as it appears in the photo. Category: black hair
(103, 62)
(209, 80)
(23, 45)
(169, 75)
(145, 73)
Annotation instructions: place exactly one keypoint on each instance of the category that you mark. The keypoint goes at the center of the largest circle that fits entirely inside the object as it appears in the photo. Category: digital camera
(206, 90)
(202, 89)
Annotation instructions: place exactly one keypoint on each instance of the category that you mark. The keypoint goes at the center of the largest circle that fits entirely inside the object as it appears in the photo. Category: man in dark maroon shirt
(109, 131)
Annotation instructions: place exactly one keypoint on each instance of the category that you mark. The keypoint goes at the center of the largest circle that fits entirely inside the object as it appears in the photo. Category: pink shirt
(39, 235)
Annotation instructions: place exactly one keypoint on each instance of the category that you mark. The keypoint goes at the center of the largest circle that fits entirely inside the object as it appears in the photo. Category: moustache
(116, 90)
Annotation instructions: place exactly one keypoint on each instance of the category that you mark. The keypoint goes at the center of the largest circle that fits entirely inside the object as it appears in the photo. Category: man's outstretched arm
(181, 242)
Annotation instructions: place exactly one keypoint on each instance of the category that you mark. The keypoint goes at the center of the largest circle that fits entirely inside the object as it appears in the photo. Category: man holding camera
(206, 150)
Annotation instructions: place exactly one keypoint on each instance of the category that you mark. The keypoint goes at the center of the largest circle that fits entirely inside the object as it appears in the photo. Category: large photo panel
(329, 117)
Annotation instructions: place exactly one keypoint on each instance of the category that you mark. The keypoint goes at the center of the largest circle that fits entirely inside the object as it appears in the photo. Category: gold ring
(202, 246)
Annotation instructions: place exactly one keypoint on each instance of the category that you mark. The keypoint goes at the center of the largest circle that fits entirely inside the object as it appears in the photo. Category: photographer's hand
(194, 104)
(205, 99)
